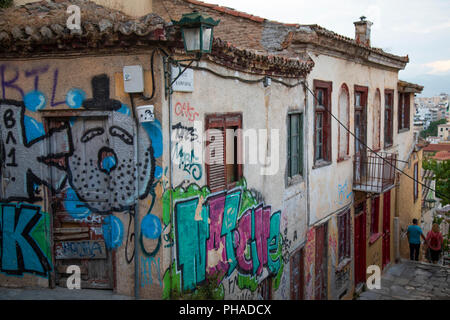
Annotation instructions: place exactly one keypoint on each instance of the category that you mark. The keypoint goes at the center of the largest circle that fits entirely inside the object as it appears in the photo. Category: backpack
(434, 240)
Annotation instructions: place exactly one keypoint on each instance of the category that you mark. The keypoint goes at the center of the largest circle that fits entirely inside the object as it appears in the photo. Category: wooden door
(297, 275)
(77, 230)
(386, 250)
(360, 244)
(321, 265)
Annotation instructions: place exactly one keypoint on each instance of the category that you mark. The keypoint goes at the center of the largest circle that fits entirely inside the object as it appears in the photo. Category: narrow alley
(411, 280)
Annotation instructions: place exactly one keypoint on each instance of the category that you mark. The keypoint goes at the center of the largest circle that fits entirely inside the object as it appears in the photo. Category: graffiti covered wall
(98, 168)
(228, 235)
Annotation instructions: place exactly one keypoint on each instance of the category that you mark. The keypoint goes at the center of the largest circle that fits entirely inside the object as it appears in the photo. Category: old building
(91, 186)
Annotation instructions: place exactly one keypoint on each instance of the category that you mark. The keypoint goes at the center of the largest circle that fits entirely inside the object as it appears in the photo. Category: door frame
(64, 114)
(301, 267)
(364, 91)
(360, 244)
(386, 243)
(324, 260)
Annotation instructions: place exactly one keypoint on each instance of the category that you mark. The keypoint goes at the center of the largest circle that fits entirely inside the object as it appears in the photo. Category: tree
(6, 3)
(432, 130)
(441, 170)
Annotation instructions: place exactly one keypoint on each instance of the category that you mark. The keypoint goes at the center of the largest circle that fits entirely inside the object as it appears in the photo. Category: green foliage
(212, 289)
(6, 3)
(432, 130)
(441, 172)
(438, 220)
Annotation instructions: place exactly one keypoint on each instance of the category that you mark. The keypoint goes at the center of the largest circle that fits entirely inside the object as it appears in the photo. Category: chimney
(362, 31)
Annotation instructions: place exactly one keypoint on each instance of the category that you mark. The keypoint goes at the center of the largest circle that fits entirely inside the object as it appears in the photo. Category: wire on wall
(366, 146)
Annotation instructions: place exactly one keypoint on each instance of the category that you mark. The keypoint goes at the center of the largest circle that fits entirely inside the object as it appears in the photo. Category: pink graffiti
(244, 234)
(185, 110)
(216, 209)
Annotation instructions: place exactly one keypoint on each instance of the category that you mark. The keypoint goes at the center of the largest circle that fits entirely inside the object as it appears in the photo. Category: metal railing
(374, 173)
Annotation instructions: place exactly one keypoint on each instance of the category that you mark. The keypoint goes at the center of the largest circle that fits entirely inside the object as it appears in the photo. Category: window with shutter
(295, 144)
(375, 215)
(222, 141)
(322, 123)
(388, 117)
(416, 181)
(344, 98)
(403, 111)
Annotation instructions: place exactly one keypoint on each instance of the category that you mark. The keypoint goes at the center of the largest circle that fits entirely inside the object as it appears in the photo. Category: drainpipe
(397, 220)
(136, 207)
(306, 156)
(168, 92)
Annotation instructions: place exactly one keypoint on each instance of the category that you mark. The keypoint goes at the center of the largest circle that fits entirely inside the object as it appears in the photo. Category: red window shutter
(407, 110)
(348, 232)
(341, 241)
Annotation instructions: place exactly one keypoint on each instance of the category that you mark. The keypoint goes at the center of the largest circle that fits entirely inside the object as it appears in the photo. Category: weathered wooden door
(321, 265)
(386, 228)
(297, 275)
(360, 244)
(77, 228)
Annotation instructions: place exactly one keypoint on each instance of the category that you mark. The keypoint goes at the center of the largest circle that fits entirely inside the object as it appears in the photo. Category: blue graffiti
(33, 129)
(109, 163)
(151, 226)
(125, 110)
(154, 131)
(112, 232)
(146, 271)
(35, 100)
(76, 208)
(20, 251)
(75, 98)
(158, 172)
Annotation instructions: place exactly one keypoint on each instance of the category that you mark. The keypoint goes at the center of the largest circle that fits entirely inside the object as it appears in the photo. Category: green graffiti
(201, 222)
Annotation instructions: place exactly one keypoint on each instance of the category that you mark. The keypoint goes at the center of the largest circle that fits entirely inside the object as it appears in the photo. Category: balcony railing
(374, 173)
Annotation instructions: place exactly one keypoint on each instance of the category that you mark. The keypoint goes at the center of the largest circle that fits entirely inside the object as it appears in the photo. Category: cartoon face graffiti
(103, 170)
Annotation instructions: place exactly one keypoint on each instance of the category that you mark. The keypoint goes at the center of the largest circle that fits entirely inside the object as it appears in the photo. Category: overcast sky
(418, 28)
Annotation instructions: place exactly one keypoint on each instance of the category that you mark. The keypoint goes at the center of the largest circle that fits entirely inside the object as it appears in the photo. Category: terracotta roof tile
(40, 28)
(325, 32)
(436, 147)
(43, 24)
(442, 156)
(300, 28)
(226, 10)
(225, 53)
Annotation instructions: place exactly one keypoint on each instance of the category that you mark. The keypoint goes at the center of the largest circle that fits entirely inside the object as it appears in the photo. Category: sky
(417, 28)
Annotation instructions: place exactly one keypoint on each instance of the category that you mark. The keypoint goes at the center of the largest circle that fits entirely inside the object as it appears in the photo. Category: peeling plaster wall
(64, 84)
(262, 109)
(337, 178)
(409, 209)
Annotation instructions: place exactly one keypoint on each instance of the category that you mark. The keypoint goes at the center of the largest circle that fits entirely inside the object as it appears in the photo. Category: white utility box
(133, 79)
(146, 113)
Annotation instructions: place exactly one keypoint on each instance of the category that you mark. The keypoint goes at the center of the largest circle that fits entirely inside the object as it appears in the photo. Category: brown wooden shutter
(400, 111)
(215, 167)
(407, 110)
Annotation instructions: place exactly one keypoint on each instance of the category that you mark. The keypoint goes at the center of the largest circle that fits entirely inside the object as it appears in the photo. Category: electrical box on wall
(146, 113)
(133, 79)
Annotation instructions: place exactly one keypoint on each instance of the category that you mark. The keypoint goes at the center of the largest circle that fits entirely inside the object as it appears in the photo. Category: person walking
(414, 233)
(435, 240)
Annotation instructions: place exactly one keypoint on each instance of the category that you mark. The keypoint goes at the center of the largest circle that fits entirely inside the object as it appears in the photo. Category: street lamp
(430, 203)
(197, 32)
